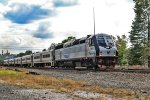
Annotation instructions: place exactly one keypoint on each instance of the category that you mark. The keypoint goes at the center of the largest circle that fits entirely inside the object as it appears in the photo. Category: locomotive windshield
(105, 41)
(101, 41)
(109, 41)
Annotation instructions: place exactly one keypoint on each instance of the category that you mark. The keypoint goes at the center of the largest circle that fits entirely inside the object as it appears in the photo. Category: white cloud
(114, 20)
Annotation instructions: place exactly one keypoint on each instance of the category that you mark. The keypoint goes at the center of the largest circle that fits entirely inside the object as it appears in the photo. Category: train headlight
(107, 47)
(114, 53)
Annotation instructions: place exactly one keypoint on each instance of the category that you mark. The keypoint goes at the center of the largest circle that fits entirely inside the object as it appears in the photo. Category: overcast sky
(35, 24)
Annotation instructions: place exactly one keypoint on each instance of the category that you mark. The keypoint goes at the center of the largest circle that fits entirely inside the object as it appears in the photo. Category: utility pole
(94, 19)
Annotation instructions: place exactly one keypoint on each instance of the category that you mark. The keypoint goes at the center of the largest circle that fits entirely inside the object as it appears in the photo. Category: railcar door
(91, 48)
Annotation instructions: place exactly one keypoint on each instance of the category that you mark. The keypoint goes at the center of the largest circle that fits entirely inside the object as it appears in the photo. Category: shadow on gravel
(32, 73)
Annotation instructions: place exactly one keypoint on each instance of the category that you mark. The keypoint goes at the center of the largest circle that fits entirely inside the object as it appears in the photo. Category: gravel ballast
(138, 82)
(132, 81)
(13, 92)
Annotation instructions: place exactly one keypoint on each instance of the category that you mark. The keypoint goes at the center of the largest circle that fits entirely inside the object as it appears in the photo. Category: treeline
(139, 49)
(28, 52)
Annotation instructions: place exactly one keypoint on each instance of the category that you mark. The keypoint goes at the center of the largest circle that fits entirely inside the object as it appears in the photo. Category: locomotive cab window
(109, 41)
(101, 41)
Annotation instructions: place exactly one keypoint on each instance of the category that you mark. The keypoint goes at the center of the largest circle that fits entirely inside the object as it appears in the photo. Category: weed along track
(81, 84)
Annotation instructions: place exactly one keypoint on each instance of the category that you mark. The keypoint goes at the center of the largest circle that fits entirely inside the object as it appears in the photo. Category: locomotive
(93, 51)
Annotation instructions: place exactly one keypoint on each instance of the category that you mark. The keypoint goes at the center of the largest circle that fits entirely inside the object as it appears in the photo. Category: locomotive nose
(107, 52)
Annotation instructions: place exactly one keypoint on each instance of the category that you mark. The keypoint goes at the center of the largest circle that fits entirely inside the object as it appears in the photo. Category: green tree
(20, 54)
(2, 57)
(122, 50)
(68, 39)
(138, 35)
(28, 52)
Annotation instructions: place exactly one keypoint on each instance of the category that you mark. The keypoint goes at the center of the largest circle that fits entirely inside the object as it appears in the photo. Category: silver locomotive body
(92, 51)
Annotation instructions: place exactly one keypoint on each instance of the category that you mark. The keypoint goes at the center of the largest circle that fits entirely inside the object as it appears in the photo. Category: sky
(35, 24)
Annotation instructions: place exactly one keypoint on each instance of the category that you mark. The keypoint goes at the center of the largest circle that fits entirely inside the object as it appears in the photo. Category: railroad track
(144, 71)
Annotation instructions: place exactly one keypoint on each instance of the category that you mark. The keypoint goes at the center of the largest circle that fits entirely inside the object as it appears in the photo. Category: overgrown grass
(60, 85)
(8, 73)
(39, 81)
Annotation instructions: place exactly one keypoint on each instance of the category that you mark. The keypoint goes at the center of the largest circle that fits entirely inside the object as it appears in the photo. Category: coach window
(46, 56)
(23, 59)
(37, 57)
(28, 58)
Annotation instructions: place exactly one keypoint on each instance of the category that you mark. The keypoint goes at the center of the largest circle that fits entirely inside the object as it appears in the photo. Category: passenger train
(93, 51)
